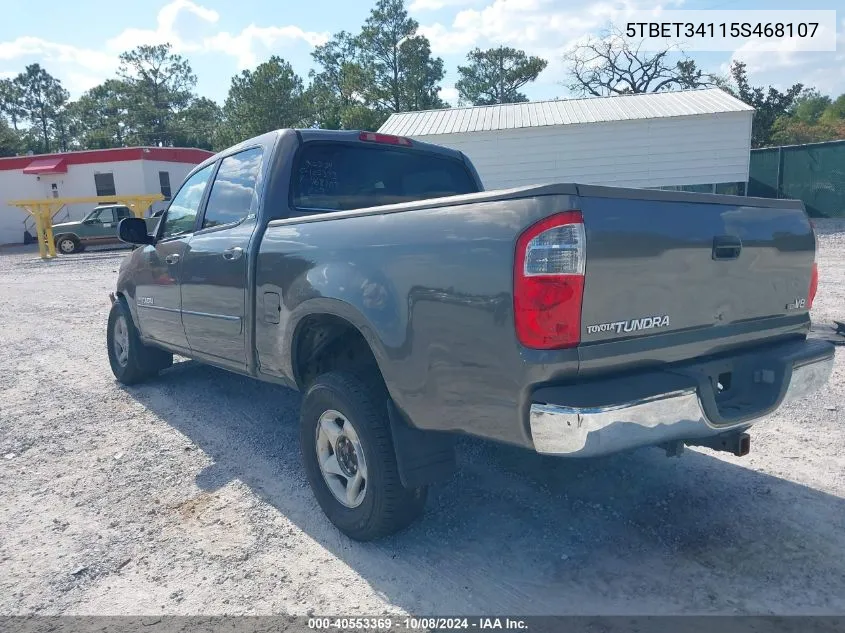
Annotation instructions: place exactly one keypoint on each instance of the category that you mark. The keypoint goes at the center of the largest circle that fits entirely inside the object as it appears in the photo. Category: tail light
(548, 285)
(814, 285)
(814, 275)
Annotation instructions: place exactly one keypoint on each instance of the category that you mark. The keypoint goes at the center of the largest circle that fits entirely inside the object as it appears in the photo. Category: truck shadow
(519, 533)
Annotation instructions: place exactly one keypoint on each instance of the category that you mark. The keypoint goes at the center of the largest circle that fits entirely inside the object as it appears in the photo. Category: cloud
(434, 5)
(782, 68)
(528, 24)
(243, 45)
(170, 27)
(449, 94)
(29, 47)
(189, 27)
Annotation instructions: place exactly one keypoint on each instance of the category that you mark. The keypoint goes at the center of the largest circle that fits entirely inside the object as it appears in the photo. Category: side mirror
(133, 231)
(89, 221)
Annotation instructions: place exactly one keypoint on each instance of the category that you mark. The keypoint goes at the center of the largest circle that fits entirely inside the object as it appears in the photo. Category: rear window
(337, 176)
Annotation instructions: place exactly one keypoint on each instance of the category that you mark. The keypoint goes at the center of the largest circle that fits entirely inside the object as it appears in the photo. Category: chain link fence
(813, 173)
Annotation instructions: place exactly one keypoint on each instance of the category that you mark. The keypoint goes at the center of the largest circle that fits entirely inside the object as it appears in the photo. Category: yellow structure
(45, 209)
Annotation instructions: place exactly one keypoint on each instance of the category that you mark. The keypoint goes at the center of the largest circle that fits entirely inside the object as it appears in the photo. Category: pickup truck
(373, 274)
(96, 228)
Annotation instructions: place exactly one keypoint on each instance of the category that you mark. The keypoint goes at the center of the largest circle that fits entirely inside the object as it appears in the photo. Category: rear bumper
(688, 411)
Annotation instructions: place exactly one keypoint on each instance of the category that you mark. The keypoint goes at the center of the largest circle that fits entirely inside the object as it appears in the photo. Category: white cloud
(449, 94)
(167, 29)
(189, 27)
(527, 24)
(434, 5)
(27, 46)
(243, 45)
(783, 68)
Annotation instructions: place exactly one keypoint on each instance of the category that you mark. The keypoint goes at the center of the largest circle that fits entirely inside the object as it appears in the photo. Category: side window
(232, 196)
(182, 213)
(105, 216)
(122, 212)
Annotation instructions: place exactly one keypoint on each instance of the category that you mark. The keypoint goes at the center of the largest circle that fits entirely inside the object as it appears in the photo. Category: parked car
(372, 273)
(98, 227)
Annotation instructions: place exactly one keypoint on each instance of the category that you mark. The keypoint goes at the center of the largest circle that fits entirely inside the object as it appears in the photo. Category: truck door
(214, 270)
(157, 290)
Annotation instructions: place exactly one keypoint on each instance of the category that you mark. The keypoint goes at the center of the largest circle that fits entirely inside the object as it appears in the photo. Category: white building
(123, 171)
(697, 140)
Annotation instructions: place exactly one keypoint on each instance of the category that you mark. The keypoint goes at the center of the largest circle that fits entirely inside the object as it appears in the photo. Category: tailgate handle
(726, 247)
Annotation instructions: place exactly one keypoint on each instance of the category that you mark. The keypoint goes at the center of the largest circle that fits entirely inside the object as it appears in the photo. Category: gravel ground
(185, 496)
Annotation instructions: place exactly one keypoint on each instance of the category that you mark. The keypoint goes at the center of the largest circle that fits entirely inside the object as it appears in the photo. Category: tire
(68, 245)
(380, 505)
(131, 361)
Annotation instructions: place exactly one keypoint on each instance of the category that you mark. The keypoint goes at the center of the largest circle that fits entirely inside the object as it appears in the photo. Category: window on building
(104, 184)
(164, 183)
(232, 194)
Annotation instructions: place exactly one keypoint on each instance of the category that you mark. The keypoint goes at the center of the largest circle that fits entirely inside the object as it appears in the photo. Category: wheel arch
(332, 336)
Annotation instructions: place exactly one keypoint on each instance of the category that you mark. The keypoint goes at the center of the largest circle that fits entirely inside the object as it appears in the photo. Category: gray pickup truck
(374, 274)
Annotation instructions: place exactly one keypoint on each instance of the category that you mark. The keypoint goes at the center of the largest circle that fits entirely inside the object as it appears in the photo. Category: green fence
(814, 173)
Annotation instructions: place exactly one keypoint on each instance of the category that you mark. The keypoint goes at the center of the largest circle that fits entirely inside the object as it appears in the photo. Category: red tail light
(548, 282)
(388, 139)
(814, 285)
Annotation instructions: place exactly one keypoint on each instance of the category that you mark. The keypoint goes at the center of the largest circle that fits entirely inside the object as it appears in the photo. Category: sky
(79, 41)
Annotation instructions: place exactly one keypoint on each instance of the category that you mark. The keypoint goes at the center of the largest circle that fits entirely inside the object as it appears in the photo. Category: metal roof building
(697, 140)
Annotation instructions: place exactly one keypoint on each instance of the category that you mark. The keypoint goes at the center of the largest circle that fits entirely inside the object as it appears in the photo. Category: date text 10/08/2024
(413, 623)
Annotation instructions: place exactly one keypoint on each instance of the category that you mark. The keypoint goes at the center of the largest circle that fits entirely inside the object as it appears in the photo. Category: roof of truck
(508, 116)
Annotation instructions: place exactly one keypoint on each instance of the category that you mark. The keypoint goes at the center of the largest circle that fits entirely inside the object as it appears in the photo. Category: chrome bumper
(587, 432)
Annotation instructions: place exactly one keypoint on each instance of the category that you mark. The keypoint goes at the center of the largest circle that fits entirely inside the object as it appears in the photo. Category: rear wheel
(347, 451)
(68, 244)
(131, 361)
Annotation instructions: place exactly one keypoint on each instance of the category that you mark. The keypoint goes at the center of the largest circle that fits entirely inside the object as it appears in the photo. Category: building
(122, 171)
(697, 140)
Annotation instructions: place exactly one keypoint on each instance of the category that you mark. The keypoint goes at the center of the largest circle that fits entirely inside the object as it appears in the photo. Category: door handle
(233, 253)
(726, 247)
(173, 258)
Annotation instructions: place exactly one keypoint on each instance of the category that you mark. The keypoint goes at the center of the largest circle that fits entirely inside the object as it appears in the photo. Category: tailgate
(672, 275)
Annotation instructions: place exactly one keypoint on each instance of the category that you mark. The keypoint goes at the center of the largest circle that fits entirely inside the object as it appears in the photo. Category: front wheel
(131, 361)
(67, 245)
(347, 451)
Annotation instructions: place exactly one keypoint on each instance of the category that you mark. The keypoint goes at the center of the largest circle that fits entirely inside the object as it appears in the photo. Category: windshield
(341, 176)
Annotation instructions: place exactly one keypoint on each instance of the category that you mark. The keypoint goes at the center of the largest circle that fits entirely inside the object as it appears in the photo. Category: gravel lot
(185, 496)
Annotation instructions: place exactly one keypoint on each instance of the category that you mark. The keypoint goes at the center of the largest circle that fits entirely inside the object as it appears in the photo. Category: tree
(11, 101)
(160, 85)
(265, 99)
(43, 98)
(810, 105)
(496, 75)
(198, 125)
(404, 75)
(338, 91)
(611, 65)
(835, 111)
(66, 128)
(10, 141)
(790, 130)
(768, 103)
(103, 116)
